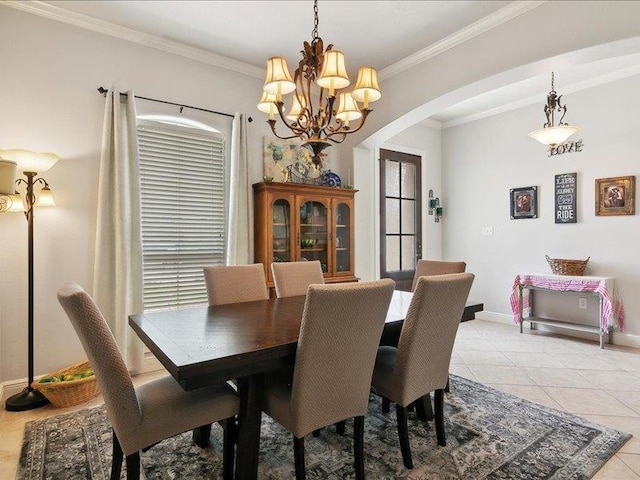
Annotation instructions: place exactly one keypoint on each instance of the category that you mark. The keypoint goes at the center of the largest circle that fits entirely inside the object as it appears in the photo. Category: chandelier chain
(314, 33)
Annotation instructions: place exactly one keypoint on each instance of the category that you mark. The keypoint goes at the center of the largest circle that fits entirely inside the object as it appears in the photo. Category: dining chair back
(159, 409)
(235, 283)
(436, 267)
(339, 335)
(420, 363)
(294, 278)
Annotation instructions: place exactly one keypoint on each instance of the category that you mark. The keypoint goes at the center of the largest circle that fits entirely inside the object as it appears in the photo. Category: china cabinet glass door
(313, 242)
(343, 238)
(281, 231)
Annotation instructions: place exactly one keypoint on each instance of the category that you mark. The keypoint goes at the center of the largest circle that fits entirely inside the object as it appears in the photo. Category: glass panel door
(281, 231)
(400, 236)
(313, 233)
(343, 238)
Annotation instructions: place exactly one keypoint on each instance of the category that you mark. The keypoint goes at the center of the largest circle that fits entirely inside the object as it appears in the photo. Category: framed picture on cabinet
(616, 196)
(524, 202)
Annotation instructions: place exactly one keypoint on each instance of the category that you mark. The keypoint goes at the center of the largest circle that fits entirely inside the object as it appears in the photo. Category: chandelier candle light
(31, 164)
(318, 126)
(551, 134)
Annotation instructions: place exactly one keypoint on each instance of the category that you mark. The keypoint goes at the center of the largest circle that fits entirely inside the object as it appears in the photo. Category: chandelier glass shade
(311, 114)
(551, 134)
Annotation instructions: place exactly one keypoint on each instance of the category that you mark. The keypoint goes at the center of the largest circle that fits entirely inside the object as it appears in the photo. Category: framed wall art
(524, 202)
(289, 161)
(616, 196)
(565, 198)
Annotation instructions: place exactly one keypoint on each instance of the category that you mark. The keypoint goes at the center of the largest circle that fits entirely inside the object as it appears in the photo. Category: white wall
(49, 102)
(482, 160)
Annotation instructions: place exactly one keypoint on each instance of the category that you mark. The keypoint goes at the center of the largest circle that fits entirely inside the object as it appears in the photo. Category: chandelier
(551, 134)
(311, 116)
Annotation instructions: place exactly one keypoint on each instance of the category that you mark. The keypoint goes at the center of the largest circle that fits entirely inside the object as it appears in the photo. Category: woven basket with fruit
(69, 386)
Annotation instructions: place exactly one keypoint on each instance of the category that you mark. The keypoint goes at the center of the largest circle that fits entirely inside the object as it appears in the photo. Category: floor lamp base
(27, 399)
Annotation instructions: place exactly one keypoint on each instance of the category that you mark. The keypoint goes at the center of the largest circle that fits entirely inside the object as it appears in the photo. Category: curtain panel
(118, 272)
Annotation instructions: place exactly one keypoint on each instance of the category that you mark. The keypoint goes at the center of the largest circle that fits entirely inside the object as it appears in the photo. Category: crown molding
(100, 26)
(483, 25)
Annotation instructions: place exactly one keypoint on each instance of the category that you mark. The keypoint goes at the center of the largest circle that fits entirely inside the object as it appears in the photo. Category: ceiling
(388, 35)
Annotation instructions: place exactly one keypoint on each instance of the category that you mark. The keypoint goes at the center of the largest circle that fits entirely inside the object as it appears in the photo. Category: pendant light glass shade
(553, 136)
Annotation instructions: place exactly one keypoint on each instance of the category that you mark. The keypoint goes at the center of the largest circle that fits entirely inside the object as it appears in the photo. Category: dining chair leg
(421, 412)
(386, 405)
(316, 433)
(438, 405)
(340, 426)
(228, 447)
(116, 458)
(427, 406)
(446, 389)
(358, 446)
(298, 457)
(133, 466)
(200, 435)
(403, 435)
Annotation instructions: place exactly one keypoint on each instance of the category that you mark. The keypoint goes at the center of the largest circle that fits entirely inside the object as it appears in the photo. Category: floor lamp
(31, 164)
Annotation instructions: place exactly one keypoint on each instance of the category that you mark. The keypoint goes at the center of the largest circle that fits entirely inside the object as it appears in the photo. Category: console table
(611, 309)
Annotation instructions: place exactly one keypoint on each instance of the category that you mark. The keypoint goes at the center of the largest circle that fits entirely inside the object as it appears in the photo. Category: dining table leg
(250, 389)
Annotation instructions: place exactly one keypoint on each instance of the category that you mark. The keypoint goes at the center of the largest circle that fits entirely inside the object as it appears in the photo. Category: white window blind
(183, 212)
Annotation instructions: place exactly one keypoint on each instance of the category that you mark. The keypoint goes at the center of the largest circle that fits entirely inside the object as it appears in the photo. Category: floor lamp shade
(28, 161)
(7, 177)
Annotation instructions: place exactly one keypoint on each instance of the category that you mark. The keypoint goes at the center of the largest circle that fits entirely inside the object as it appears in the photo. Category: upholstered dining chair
(339, 335)
(154, 411)
(294, 278)
(436, 267)
(420, 362)
(235, 283)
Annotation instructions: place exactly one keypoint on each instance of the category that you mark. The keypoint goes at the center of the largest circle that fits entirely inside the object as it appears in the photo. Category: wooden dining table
(204, 345)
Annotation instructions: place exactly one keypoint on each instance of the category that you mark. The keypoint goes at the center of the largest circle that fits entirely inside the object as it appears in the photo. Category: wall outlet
(582, 303)
(487, 230)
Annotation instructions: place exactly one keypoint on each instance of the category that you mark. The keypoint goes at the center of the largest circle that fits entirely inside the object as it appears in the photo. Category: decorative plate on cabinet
(330, 179)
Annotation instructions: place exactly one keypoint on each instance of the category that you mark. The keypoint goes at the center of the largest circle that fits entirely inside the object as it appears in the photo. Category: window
(182, 179)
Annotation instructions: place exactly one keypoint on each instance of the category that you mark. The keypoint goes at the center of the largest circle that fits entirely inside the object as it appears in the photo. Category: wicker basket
(70, 392)
(562, 266)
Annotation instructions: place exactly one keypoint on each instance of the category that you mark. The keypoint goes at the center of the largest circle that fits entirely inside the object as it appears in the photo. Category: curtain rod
(103, 91)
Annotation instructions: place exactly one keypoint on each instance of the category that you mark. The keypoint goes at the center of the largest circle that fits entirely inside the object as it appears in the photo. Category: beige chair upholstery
(339, 336)
(235, 283)
(420, 363)
(435, 267)
(294, 278)
(159, 409)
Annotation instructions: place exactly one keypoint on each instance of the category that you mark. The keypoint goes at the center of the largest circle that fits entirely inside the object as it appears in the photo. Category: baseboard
(617, 338)
(10, 388)
(149, 364)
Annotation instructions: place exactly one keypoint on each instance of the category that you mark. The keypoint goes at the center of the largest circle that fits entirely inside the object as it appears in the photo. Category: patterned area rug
(490, 435)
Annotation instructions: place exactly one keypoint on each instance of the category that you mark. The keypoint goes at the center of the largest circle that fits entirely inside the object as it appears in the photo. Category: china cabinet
(298, 222)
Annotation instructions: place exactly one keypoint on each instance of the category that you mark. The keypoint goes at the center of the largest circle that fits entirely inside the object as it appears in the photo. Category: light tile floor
(568, 374)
